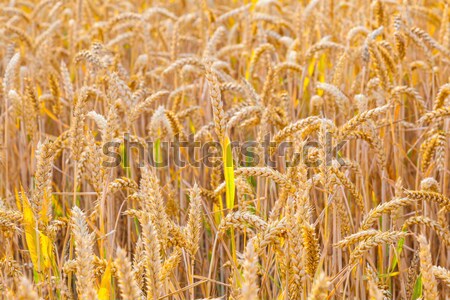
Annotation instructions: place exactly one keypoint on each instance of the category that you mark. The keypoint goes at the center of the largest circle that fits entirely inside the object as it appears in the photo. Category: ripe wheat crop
(229, 149)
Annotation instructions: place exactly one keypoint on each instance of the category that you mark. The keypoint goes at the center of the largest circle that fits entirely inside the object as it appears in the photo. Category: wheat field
(231, 149)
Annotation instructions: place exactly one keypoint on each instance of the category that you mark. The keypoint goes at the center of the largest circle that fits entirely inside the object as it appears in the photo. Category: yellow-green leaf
(104, 291)
(228, 169)
(31, 234)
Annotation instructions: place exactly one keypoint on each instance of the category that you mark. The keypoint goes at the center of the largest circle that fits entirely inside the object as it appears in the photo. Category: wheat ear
(84, 244)
(356, 238)
(426, 266)
(216, 102)
(129, 288)
(123, 183)
(442, 274)
(152, 261)
(429, 196)
(319, 289)
(387, 207)
(276, 176)
(250, 287)
(194, 223)
(153, 203)
(170, 264)
(25, 290)
(353, 123)
(387, 237)
(442, 232)
(311, 249)
(295, 271)
(435, 115)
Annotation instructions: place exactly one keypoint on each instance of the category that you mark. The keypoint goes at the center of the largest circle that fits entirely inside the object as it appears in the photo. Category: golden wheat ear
(154, 287)
(129, 288)
(250, 286)
(84, 253)
(319, 288)
(429, 282)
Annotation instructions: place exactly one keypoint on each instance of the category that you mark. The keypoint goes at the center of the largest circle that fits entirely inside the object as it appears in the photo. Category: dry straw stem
(429, 282)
